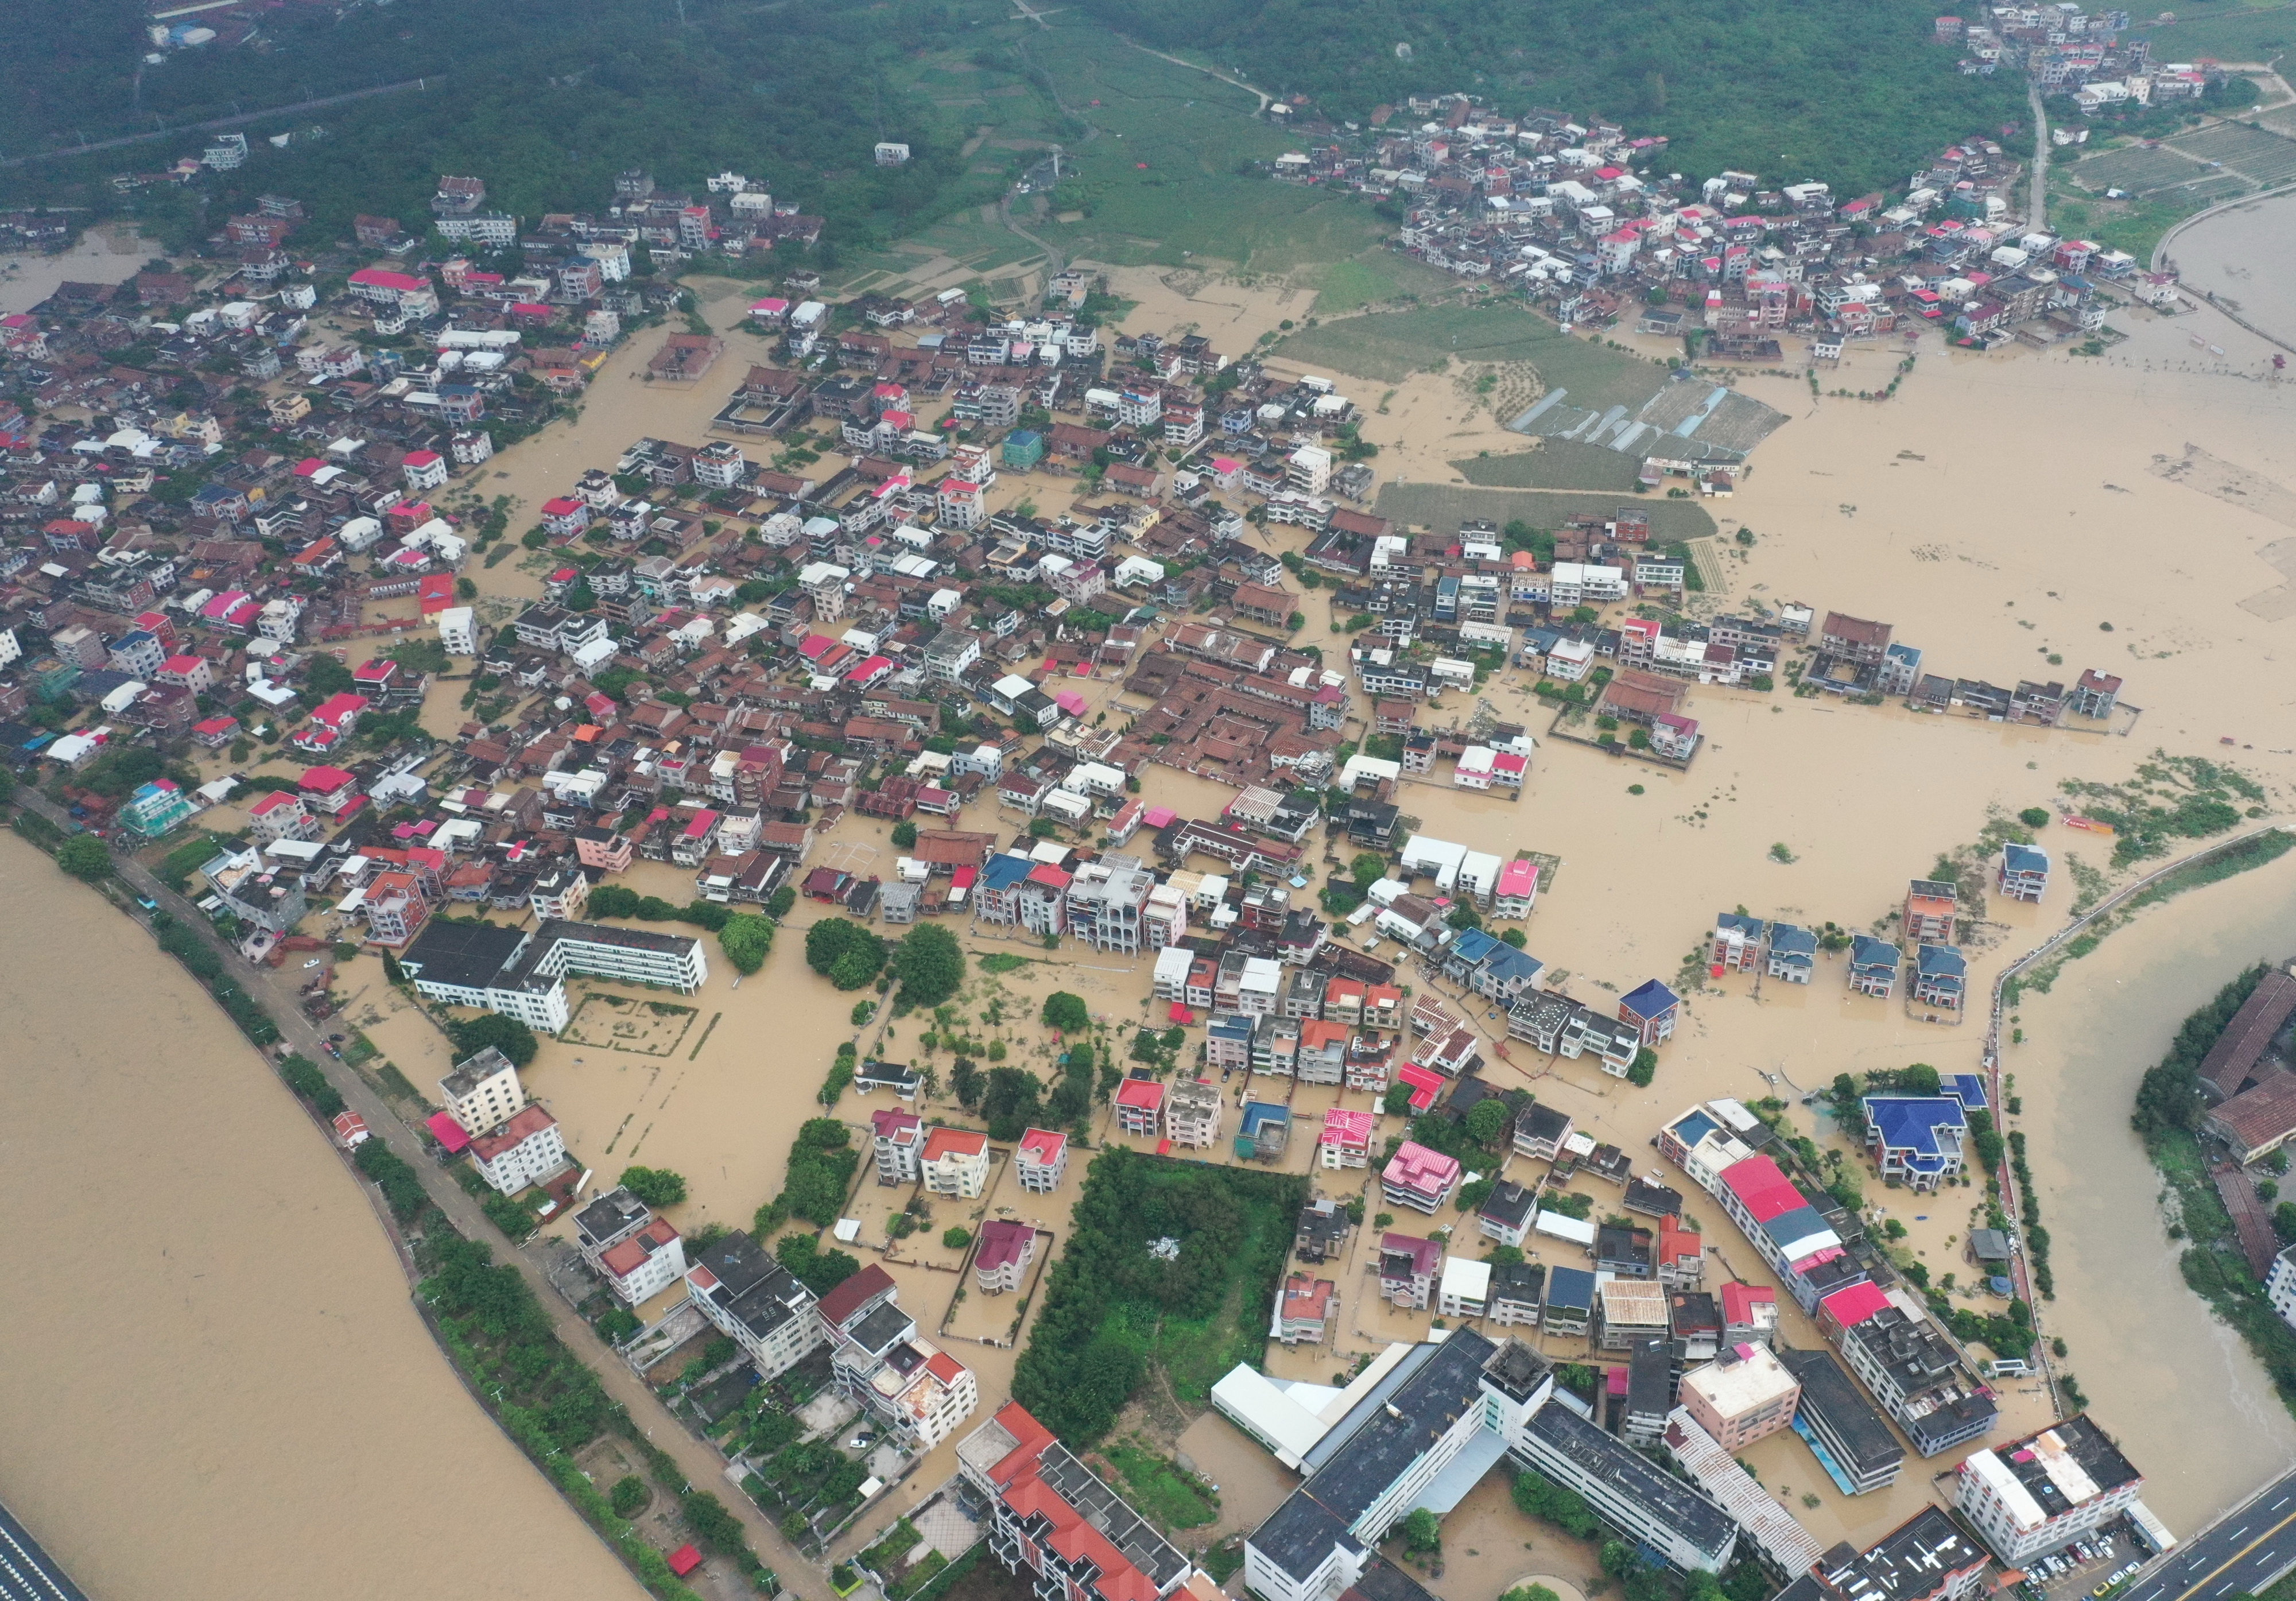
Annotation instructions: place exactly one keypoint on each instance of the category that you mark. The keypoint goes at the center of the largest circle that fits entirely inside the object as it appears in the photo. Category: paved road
(2038, 206)
(276, 989)
(27, 1572)
(2242, 1553)
(216, 122)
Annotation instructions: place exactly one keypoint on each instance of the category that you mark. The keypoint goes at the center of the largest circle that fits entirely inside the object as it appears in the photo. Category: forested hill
(1853, 93)
(544, 99)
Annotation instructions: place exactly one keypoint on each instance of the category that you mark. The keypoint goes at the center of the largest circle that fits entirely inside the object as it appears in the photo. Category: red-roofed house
(1053, 1514)
(282, 814)
(1750, 1314)
(331, 791)
(1764, 1191)
(956, 1163)
(1139, 1106)
(523, 1151)
(1681, 1255)
(642, 1267)
(1007, 1246)
(565, 517)
(1848, 1308)
(215, 732)
(425, 470)
(449, 1133)
(1041, 1160)
(684, 1560)
(899, 1140)
(194, 673)
(1307, 1308)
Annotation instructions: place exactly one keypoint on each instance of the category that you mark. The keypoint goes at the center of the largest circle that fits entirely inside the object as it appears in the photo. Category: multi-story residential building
(1346, 1139)
(561, 894)
(1940, 976)
(2024, 872)
(1106, 903)
(1930, 907)
(260, 892)
(955, 1162)
(1792, 953)
(1305, 1309)
(1750, 1314)
(1041, 1160)
(1406, 1267)
(1785, 1546)
(522, 1151)
(2280, 1286)
(1915, 1139)
(1909, 1365)
(1927, 1558)
(1741, 1395)
(2031, 1497)
(1651, 1008)
(1570, 1307)
(1517, 1290)
(897, 1141)
(1466, 1287)
(1193, 1114)
(760, 1304)
(1419, 1178)
(1140, 1107)
(1631, 1310)
(1873, 965)
(1052, 1518)
(483, 1092)
(1000, 1264)
(881, 1360)
(1540, 1131)
(640, 1266)
(1507, 1212)
(1852, 1439)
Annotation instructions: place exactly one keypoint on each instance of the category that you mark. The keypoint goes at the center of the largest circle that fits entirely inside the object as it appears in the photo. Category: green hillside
(1856, 96)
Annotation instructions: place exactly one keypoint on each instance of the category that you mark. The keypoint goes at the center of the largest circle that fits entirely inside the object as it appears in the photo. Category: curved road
(277, 991)
(2038, 206)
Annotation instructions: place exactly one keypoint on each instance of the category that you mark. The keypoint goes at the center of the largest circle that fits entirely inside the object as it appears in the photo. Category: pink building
(1418, 1177)
(1346, 1140)
(1007, 1247)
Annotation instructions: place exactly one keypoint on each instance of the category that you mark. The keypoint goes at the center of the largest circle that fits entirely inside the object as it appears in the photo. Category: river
(2234, 255)
(218, 1385)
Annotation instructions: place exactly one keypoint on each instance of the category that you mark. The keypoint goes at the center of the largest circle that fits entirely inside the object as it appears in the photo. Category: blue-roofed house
(998, 900)
(1793, 953)
(1227, 1042)
(2024, 872)
(156, 808)
(1737, 942)
(1940, 976)
(1872, 965)
(1489, 965)
(1916, 1139)
(1569, 1301)
(1266, 1130)
(1651, 1009)
(1968, 1089)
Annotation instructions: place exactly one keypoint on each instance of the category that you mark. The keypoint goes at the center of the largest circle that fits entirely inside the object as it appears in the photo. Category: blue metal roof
(2025, 858)
(1651, 998)
(1942, 961)
(1791, 940)
(1003, 872)
(1693, 1128)
(1968, 1089)
(1924, 1128)
(1866, 951)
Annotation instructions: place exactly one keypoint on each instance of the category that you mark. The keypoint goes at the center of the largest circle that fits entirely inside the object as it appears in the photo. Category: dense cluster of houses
(2065, 49)
(1581, 220)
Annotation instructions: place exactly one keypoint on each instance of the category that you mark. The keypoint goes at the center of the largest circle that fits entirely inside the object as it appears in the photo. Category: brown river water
(217, 1386)
(1997, 510)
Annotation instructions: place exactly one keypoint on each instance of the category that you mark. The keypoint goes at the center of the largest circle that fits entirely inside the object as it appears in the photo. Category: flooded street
(218, 1385)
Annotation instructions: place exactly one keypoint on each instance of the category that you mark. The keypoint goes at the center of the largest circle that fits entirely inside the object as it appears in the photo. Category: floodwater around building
(105, 254)
(218, 1385)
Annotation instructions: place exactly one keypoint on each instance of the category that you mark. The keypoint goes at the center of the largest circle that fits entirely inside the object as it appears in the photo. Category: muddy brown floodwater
(217, 1386)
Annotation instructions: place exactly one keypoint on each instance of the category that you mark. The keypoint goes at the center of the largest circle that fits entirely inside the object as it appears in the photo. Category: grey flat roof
(1417, 1414)
(1299, 1536)
(1665, 1498)
(470, 954)
(1853, 1420)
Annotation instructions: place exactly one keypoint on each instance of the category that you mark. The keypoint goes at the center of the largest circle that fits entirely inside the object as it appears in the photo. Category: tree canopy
(929, 963)
(83, 856)
(1066, 1011)
(656, 1186)
(843, 952)
(507, 1035)
(745, 939)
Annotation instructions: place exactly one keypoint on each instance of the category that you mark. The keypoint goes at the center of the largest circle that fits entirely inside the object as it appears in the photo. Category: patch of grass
(1444, 507)
(1000, 961)
(1560, 465)
(1172, 1499)
(1392, 345)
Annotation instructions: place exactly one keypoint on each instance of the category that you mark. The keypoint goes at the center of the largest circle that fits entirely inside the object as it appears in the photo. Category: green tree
(1489, 1122)
(629, 1495)
(83, 856)
(746, 939)
(843, 952)
(1514, 937)
(955, 1239)
(2034, 816)
(1644, 1069)
(783, 899)
(929, 965)
(1066, 1011)
(2284, 1221)
(820, 1272)
(324, 675)
(507, 1035)
(1368, 870)
(1919, 1079)
(656, 1186)
(904, 835)
(1421, 1531)
(1397, 1102)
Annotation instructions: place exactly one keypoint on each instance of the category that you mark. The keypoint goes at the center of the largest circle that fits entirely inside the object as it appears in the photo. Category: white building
(2027, 1498)
(458, 631)
(642, 1266)
(1041, 1160)
(761, 1304)
(521, 1151)
(483, 1092)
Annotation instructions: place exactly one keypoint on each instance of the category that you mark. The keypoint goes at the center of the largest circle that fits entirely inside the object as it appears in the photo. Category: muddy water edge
(217, 1383)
